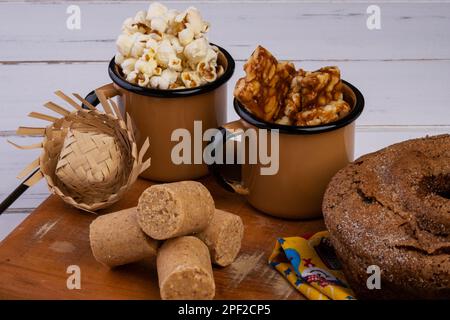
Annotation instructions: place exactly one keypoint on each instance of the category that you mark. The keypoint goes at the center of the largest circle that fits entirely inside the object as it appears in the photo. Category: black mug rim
(118, 79)
(351, 117)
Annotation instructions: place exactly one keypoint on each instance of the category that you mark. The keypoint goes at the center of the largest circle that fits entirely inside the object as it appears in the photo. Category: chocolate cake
(391, 208)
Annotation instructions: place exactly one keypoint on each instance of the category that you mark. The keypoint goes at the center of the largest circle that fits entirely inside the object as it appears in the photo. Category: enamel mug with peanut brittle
(308, 158)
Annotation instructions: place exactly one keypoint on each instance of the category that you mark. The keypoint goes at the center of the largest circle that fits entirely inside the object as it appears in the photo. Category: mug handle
(101, 94)
(227, 132)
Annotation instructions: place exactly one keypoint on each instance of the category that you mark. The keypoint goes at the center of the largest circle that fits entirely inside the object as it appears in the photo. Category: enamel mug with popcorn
(157, 113)
(167, 77)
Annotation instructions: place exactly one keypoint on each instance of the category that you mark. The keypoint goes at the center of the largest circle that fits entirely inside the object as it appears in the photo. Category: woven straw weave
(89, 158)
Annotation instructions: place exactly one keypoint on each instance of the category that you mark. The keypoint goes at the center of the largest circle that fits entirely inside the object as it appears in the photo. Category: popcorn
(128, 65)
(170, 75)
(167, 49)
(119, 58)
(128, 26)
(171, 14)
(131, 45)
(141, 18)
(144, 82)
(207, 71)
(132, 76)
(220, 71)
(165, 53)
(151, 45)
(192, 20)
(146, 67)
(175, 64)
(196, 51)
(124, 44)
(191, 79)
(186, 36)
(159, 82)
(159, 24)
(156, 10)
(137, 50)
(158, 71)
(195, 21)
(175, 43)
(176, 86)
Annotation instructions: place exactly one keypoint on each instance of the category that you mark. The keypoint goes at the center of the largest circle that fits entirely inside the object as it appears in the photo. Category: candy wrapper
(311, 266)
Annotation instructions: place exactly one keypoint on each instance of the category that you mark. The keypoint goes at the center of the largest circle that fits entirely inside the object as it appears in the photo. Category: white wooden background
(403, 69)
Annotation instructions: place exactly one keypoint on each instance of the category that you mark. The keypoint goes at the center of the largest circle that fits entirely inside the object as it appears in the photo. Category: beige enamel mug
(157, 113)
(308, 159)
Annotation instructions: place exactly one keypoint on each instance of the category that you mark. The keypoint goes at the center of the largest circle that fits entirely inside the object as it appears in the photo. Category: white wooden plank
(371, 139)
(12, 161)
(293, 30)
(8, 222)
(399, 92)
(28, 86)
(396, 92)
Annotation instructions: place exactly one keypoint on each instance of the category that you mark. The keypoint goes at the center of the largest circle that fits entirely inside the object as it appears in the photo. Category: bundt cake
(391, 209)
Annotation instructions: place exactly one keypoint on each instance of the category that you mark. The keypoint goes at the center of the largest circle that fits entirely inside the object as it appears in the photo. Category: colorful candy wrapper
(311, 266)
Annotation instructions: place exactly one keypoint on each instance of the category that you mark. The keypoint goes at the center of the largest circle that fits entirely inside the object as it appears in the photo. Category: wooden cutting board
(34, 258)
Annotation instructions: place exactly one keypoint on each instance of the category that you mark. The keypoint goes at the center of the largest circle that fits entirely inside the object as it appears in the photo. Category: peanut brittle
(292, 103)
(277, 93)
(314, 98)
(266, 84)
(323, 114)
(319, 88)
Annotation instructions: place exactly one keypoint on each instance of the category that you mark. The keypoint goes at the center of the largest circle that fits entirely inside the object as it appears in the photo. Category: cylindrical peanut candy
(184, 270)
(223, 237)
(175, 209)
(117, 239)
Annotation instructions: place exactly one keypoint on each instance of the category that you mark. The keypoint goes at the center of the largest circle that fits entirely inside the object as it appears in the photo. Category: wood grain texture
(293, 30)
(34, 258)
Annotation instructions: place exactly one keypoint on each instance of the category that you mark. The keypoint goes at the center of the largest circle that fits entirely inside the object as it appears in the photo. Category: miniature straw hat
(89, 158)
